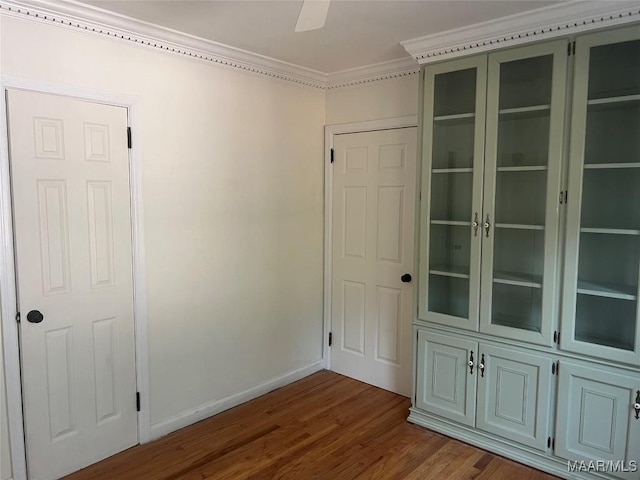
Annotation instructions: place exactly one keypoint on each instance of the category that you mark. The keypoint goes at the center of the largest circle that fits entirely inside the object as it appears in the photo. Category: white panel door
(374, 177)
(70, 186)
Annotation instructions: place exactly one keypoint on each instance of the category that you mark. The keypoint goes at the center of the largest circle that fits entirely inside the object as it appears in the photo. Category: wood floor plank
(323, 427)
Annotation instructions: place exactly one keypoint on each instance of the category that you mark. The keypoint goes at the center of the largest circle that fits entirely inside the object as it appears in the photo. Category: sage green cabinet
(453, 149)
(496, 389)
(447, 376)
(600, 308)
(489, 209)
(523, 155)
(514, 395)
(596, 418)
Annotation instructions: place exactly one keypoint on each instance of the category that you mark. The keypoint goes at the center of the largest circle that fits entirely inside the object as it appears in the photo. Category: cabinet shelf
(598, 166)
(457, 118)
(454, 223)
(518, 279)
(525, 111)
(612, 100)
(609, 290)
(610, 231)
(449, 271)
(452, 170)
(529, 168)
(516, 226)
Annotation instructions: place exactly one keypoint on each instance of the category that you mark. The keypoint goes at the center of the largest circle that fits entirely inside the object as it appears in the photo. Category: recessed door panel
(446, 383)
(514, 391)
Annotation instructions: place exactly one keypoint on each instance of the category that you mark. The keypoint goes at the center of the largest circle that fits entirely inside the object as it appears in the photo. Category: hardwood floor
(325, 426)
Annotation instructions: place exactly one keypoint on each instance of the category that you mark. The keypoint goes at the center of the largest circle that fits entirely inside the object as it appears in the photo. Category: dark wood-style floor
(325, 426)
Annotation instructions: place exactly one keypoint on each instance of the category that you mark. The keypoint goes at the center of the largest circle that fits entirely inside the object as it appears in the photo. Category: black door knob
(406, 278)
(34, 316)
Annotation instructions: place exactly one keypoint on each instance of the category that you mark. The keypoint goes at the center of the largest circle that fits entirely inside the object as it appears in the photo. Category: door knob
(406, 278)
(34, 316)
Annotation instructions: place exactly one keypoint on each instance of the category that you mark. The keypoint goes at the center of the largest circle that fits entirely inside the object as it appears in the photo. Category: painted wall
(395, 97)
(233, 205)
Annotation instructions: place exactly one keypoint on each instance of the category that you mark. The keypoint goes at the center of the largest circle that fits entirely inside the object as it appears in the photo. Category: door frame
(330, 131)
(8, 306)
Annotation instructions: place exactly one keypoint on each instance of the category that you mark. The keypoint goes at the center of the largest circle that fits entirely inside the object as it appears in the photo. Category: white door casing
(373, 198)
(72, 216)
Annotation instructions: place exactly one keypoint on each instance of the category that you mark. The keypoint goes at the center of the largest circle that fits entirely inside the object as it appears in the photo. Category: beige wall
(391, 98)
(232, 179)
(233, 204)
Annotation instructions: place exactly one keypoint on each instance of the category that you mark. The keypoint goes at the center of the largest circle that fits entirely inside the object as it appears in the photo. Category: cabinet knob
(470, 363)
(475, 224)
(636, 406)
(481, 366)
(487, 225)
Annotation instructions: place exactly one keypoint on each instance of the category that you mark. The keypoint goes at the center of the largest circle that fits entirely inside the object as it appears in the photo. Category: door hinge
(330, 338)
(332, 155)
(573, 48)
(129, 144)
(553, 444)
(18, 317)
(137, 401)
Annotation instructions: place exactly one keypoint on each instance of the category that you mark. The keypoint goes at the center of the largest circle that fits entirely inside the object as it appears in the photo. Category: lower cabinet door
(446, 383)
(597, 428)
(514, 394)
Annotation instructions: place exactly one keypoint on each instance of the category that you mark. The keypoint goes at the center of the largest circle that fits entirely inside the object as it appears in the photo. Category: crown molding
(544, 23)
(372, 73)
(85, 18)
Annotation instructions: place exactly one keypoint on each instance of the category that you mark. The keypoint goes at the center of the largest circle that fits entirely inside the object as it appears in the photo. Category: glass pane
(517, 306)
(614, 70)
(451, 196)
(526, 83)
(523, 139)
(518, 255)
(453, 143)
(449, 295)
(611, 198)
(608, 261)
(455, 93)
(613, 133)
(521, 197)
(449, 249)
(606, 321)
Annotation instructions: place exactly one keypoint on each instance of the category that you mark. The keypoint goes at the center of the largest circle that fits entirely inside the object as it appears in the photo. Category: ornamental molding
(561, 20)
(373, 73)
(548, 22)
(76, 16)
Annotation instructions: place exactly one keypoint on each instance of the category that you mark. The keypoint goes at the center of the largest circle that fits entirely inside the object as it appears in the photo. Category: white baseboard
(207, 410)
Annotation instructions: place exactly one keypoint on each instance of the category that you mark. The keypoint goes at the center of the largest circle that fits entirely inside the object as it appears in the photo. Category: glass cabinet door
(603, 213)
(453, 143)
(525, 117)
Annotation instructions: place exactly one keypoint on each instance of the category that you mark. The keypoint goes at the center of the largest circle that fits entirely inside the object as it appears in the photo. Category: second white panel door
(374, 178)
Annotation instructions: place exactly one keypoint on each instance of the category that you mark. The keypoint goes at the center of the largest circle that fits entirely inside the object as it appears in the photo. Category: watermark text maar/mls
(602, 466)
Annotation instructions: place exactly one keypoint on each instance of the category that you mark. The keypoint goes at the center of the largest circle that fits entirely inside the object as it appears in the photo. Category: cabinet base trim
(554, 466)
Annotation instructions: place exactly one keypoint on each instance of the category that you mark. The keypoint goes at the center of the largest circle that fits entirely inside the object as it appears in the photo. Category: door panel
(452, 158)
(514, 395)
(524, 148)
(596, 419)
(445, 385)
(373, 233)
(70, 189)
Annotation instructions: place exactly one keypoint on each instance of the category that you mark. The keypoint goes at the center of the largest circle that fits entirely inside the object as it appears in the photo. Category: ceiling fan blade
(313, 15)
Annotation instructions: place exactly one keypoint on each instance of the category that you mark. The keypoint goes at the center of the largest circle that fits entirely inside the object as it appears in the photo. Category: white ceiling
(357, 32)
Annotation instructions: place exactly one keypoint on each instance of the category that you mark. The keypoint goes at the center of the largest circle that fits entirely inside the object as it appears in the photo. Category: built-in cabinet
(527, 327)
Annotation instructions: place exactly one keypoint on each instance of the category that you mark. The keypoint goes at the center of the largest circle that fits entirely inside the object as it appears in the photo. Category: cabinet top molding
(542, 24)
